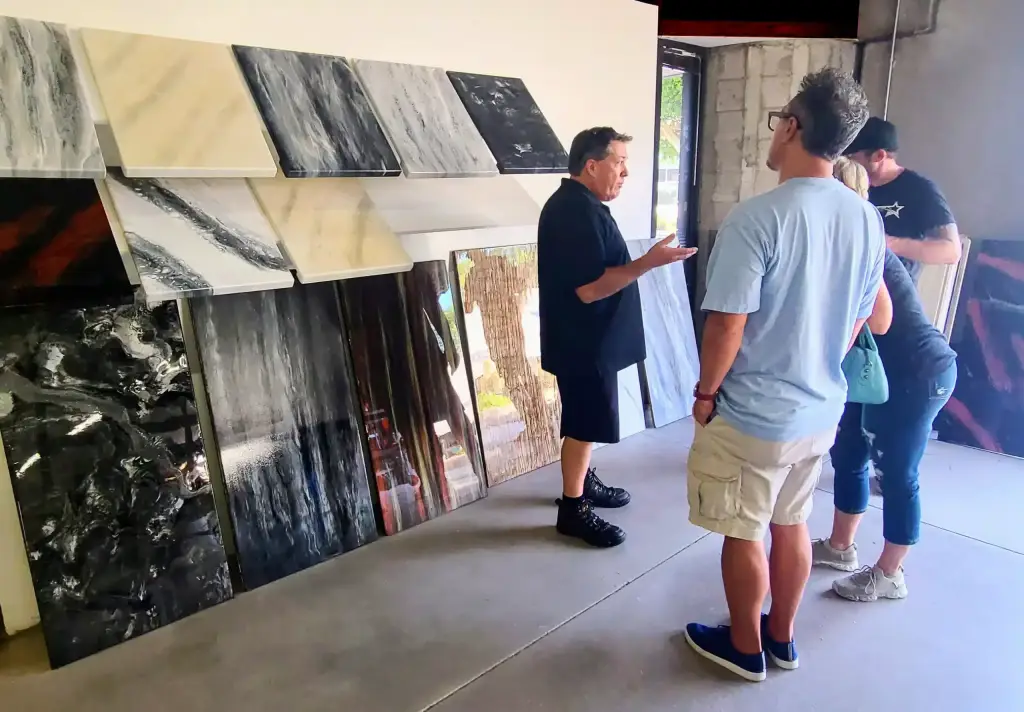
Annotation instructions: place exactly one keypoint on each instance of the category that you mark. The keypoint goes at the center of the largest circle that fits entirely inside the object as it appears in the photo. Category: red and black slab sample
(56, 243)
(987, 407)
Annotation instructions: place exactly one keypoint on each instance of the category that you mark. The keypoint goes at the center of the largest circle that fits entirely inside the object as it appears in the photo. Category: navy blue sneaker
(782, 654)
(715, 644)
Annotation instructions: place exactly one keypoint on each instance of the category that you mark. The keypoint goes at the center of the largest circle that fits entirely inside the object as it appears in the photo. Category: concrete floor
(487, 609)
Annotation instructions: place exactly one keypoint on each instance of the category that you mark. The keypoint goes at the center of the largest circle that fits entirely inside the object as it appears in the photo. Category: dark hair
(831, 107)
(592, 144)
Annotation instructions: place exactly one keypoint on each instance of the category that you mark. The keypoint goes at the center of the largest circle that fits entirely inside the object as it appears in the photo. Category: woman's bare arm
(881, 315)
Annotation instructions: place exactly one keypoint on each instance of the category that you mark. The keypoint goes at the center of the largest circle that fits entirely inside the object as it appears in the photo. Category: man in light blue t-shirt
(792, 277)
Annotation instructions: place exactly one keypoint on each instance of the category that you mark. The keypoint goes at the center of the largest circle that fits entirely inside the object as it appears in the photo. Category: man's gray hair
(593, 144)
(831, 107)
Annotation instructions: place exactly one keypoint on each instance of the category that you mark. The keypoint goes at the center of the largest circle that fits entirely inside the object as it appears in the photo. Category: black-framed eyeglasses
(775, 116)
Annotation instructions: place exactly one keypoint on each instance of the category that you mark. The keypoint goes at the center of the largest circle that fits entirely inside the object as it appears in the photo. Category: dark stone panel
(98, 419)
(288, 427)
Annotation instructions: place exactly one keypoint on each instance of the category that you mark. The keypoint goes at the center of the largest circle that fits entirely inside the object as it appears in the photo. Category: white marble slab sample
(177, 108)
(419, 206)
(672, 363)
(428, 125)
(46, 129)
(318, 116)
(195, 237)
(17, 595)
(330, 228)
(631, 403)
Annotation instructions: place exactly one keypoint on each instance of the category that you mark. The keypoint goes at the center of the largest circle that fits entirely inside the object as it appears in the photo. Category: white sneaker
(869, 584)
(824, 554)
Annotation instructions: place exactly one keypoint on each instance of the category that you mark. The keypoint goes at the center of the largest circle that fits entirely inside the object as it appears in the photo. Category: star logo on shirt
(891, 211)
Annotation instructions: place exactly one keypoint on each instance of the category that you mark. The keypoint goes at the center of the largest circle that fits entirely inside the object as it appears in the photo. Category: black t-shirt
(911, 206)
(577, 239)
(912, 348)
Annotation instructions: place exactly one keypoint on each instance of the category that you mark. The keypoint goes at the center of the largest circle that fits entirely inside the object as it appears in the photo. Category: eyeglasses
(774, 116)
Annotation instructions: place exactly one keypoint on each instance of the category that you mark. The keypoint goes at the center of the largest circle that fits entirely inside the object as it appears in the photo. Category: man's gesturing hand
(663, 253)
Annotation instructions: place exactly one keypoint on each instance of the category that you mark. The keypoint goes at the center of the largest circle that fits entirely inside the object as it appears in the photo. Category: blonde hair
(853, 175)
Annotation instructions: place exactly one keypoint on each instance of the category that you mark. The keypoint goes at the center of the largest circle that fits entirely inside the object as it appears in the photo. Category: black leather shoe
(578, 519)
(601, 495)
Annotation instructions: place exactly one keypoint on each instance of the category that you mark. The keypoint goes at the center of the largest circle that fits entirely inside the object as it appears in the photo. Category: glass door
(675, 174)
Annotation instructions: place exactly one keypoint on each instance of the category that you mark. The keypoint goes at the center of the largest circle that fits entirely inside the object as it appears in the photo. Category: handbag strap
(865, 340)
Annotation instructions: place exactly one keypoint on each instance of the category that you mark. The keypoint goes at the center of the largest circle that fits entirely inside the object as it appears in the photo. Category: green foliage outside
(486, 401)
(671, 120)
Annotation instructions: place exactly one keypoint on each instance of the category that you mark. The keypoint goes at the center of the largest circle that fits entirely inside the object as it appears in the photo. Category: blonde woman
(921, 369)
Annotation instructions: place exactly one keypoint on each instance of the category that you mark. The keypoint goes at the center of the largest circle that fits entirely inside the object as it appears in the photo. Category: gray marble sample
(672, 364)
(289, 427)
(196, 237)
(511, 123)
(426, 121)
(318, 116)
(46, 128)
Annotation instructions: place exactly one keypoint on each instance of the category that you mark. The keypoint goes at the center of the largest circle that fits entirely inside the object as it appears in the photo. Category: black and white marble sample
(288, 427)
(196, 237)
(428, 126)
(56, 244)
(318, 116)
(46, 128)
(511, 123)
(414, 386)
(99, 425)
(672, 364)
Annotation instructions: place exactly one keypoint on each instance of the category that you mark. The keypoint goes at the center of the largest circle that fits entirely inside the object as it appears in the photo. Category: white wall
(586, 62)
(957, 103)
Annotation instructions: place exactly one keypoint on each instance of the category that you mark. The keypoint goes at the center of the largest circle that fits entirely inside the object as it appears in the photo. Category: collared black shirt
(577, 239)
(911, 206)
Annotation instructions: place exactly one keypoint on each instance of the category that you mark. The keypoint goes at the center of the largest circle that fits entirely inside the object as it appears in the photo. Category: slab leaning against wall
(288, 425)
(414, 387)
(100, 429)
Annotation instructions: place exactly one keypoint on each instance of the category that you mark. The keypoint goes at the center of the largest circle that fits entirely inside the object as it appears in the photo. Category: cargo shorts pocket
(713, 486)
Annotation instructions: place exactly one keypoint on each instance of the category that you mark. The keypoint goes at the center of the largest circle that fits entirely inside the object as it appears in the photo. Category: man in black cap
(919, 225)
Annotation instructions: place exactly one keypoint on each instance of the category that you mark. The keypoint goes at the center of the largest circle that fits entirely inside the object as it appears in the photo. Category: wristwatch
(710, 398)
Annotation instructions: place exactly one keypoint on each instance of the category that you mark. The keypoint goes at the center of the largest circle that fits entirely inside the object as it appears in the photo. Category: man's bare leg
(790, 567)
(576, 517)
(745, 575)
(575, 462)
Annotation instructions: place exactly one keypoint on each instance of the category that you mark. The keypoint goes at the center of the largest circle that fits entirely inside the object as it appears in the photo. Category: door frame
(693, 60)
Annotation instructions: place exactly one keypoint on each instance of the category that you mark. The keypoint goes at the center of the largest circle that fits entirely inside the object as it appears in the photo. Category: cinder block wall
(744, 83)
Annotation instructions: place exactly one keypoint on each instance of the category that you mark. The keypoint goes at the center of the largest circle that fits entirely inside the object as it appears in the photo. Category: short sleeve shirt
(803, 262)
(911, 206)
(577, 240)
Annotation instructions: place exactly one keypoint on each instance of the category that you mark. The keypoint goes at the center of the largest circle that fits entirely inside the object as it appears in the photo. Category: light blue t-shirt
(804, 261)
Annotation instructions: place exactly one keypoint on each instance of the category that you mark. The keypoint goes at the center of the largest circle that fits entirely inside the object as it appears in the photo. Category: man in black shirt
(919, 225)
(590, 321)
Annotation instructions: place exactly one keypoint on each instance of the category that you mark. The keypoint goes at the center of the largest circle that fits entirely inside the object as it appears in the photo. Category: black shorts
(590, 406)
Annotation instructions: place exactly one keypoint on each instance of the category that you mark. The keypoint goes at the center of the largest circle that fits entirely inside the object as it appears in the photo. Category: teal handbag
(865, 377)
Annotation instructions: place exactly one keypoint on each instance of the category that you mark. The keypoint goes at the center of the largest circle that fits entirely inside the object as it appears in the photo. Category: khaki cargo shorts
(737, 484)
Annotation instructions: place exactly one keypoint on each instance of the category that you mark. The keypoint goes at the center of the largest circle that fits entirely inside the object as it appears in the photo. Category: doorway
(677, 124)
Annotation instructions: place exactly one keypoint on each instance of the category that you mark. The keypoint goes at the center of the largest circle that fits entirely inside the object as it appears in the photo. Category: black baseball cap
(877, 135)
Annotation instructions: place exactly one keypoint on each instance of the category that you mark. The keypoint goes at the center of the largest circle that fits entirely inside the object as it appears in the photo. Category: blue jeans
(893, 436)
